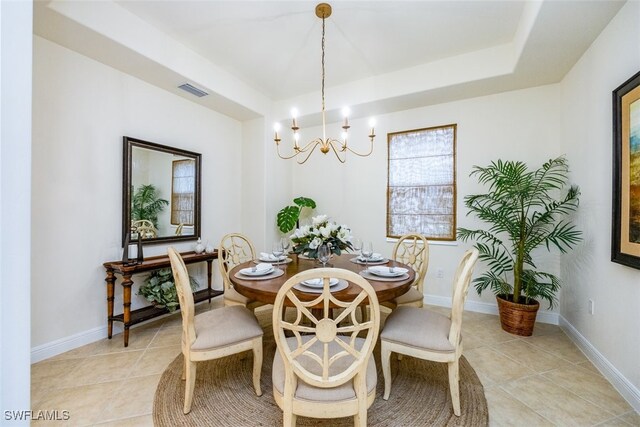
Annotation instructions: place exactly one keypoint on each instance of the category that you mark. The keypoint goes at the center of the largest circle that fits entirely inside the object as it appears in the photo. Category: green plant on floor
(524, 210)
(289, 216)
(146, 204)
(160, 289)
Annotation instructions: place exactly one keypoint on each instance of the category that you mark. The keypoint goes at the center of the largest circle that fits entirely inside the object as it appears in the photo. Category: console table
(129, 317)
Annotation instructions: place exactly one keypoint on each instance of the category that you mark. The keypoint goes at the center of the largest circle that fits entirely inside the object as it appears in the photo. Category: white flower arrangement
(308, 238)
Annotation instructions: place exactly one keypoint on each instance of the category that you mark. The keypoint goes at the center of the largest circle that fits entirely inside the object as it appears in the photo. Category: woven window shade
(183, 192)
(421, 185)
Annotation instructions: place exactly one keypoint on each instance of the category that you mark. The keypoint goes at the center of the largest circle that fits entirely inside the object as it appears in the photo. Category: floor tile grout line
(524, 403)
(559, 384)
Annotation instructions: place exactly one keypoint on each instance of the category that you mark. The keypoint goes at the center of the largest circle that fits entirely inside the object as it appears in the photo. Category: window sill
(431, 242)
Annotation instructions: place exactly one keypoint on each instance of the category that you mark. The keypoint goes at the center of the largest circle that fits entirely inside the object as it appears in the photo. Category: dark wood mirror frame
(128, 145)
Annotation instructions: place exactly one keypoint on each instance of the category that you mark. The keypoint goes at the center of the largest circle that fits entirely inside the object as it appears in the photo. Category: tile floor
(542, 380)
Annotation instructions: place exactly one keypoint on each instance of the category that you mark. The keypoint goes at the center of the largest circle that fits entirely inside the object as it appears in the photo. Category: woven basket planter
(517, 319)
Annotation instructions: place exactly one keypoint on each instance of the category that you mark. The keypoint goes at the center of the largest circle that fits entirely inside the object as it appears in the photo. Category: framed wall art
(625, 237)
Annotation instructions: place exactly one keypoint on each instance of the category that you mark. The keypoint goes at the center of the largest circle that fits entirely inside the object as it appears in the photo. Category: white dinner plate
(317, 283)
(260, 270)
(386, 271)
(271, 258)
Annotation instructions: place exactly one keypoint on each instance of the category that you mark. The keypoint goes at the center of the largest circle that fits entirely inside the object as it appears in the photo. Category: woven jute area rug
(224, 394)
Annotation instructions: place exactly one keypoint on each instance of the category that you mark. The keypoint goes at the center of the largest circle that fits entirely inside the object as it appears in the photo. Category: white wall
(15, 205)
(520, 125)
(81, 110)
(614, 328)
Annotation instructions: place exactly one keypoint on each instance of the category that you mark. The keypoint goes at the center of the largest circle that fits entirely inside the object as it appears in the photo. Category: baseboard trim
(630, 392)
(62, 345)
(543, 316)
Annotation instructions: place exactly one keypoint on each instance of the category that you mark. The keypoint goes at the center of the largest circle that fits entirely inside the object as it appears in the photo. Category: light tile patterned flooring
(543, 380)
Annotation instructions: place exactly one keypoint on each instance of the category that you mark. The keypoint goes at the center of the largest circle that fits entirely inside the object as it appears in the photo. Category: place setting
(315, 286)
(277, 255)
(261, 271)
(385, 273)
(367, 256)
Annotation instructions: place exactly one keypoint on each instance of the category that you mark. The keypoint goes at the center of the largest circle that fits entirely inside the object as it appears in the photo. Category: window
(183, 192)
(421, 186)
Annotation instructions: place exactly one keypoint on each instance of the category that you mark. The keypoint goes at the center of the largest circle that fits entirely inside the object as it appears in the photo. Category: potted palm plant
(524, 210)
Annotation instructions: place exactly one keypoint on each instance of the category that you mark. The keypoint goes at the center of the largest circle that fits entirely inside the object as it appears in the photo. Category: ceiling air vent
(193, 90)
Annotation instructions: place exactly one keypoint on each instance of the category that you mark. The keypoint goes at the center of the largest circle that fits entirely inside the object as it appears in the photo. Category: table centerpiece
(308, 238)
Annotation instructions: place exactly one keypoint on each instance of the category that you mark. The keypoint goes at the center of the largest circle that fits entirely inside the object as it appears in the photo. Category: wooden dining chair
(413, 250)
(235, 249)
(429, 335)
(326, 369)
(212, 334)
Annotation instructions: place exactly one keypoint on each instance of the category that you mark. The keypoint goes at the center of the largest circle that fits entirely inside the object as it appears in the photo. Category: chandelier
(326, 144)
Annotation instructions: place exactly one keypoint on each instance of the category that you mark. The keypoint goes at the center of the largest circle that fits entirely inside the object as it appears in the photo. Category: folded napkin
(270, 257)
(386, 271)
(264, 266)
(375, 257)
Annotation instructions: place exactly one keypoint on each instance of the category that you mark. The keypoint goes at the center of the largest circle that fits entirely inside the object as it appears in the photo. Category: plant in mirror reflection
(147, 204)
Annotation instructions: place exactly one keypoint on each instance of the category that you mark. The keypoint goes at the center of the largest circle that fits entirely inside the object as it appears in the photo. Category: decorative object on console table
(522, 214)
(140, 257)
(131, 317)
(308, 238)
(199, 248)
(625, 234)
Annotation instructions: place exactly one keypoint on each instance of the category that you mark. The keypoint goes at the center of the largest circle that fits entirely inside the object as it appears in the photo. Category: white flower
(333, 226)
(315, 243)
(344, 234)
(317, 220)
(326, 231)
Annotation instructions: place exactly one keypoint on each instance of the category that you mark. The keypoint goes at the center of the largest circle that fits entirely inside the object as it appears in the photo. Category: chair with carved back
(235, 249)
(213, 334)
(326, 369)
(413, 250)
(429, 335)
(145, 228)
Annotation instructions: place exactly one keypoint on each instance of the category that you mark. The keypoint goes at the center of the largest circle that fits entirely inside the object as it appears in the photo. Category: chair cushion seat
(412, 295)
(233, 295)
(224, 326)
(312, 393)
(418, 327)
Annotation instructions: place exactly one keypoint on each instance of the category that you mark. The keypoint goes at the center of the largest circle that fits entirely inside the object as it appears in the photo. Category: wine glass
(277, 251)
(323, 254)
(367, 253)
(286, 244)
(357, 246)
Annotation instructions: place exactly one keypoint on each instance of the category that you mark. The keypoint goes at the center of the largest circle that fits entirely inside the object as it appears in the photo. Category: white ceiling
(258, 57)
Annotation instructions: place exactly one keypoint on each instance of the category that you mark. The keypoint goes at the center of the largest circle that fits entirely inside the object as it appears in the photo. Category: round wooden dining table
(266, 290)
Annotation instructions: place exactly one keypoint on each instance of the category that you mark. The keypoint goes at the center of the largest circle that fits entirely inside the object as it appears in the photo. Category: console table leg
(111, 280)
(126, 305)
(209, 262)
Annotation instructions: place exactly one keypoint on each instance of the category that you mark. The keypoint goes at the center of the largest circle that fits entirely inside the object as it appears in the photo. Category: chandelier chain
(323, 64)
(325, 144)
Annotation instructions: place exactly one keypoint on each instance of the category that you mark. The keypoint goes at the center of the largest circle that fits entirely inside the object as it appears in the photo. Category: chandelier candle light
(323, 11)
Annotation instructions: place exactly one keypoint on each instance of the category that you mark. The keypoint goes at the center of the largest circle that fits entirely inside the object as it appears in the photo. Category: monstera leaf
(288, 216)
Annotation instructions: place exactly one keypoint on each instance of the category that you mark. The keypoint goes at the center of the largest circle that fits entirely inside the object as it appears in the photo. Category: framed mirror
(160, 192)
